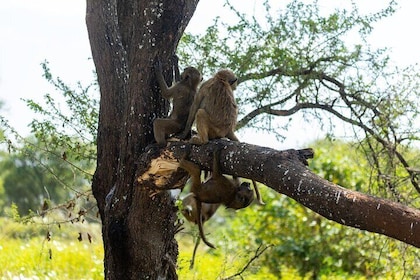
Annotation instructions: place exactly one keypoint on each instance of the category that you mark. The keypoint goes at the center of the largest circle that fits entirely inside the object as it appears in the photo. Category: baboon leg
(200, 225)
(163, 128)
(197, 242)
(195, 172)
(231, 135)
(257, 193)
(202, 122)
(158, 132)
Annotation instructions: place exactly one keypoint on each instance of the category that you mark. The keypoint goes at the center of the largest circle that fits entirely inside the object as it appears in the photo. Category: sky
(34, 31)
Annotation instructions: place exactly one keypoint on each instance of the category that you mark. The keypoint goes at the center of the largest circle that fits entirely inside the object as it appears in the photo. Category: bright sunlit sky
(54, 30)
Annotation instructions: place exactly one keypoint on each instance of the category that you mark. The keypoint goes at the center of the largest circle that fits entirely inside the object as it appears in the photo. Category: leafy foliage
(317, 65)
(70, 128)
(34, 178)
(55, 164)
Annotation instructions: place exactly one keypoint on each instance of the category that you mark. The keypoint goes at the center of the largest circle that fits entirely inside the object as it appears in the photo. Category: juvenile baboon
(182, 95)
(214, 109)
(189, 209)
(217, 189)
(189, 206)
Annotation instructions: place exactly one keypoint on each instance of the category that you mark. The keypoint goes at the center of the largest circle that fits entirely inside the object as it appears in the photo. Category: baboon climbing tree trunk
(125, 37)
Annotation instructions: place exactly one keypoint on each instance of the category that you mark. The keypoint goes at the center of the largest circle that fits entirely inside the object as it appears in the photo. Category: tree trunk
(125, 37)
(286, 173)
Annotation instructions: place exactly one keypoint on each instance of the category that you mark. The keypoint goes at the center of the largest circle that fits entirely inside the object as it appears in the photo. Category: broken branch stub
(159, 171)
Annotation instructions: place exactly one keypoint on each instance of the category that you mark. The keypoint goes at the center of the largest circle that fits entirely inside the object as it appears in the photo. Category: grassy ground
(38, 252)
(38, 259)
(75, 251)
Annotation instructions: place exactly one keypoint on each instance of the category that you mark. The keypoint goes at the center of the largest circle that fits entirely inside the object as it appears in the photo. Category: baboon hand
(183, 135)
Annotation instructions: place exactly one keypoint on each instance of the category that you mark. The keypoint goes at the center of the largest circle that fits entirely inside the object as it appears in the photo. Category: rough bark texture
(125, 37)
(286, 173)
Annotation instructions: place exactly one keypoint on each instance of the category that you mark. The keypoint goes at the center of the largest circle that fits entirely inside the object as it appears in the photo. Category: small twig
(257, 254)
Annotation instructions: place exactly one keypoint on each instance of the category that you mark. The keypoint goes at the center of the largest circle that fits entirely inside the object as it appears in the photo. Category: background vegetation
(299, 244)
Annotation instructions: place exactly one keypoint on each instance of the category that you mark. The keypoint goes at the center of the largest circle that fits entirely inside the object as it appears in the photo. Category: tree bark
(125, 37)
(286, 173)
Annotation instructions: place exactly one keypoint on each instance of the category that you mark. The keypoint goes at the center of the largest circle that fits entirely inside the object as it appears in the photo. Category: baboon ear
(247, 185)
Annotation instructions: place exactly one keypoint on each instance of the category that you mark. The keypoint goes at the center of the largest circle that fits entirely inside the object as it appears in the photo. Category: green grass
(53, 259)
(31, 255)
(28, 252)
(223, 262)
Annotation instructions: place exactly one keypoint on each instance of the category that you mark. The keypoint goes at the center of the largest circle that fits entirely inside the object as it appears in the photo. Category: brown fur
(214, 109)
(182, 95)
(218, 189)
(189, 209)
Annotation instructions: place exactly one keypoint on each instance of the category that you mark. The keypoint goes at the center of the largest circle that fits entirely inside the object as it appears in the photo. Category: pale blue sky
(54, 30)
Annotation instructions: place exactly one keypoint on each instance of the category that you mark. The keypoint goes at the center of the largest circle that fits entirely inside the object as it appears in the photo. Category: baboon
(182, 95)
(257, 193)
(217, 189)
(189, 209)
(214, 109)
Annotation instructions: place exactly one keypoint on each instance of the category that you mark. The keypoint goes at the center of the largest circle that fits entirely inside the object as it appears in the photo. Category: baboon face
(233, 83)
(243, 197)
(228, 76)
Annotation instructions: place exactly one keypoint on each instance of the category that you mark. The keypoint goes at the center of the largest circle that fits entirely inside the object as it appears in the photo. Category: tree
(56, 163)
(138, 214)
(138, 230)
(32, 179)
(307, 66)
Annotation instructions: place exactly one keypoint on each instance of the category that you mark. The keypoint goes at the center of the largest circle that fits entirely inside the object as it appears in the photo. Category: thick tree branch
(286, 173)
(284, 71)
(268, 109)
